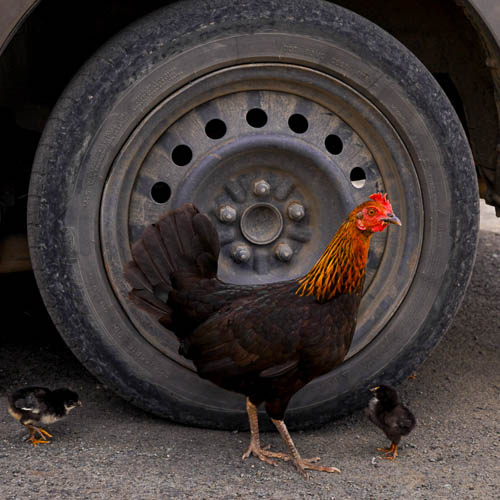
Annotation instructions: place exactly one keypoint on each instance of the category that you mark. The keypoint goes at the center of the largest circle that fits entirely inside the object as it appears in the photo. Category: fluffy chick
(395, 419)
(38, 405)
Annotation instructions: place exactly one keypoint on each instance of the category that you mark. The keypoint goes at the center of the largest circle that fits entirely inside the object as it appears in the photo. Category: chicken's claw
(308, 463)
(264, 454)
(300, 463)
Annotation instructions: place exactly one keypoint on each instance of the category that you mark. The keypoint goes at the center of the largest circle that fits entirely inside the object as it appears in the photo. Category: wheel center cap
(261, 223)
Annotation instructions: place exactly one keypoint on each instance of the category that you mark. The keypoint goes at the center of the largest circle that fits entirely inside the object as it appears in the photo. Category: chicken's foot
(41, 432)
(301, 463)
(389, 453)
(255, 449)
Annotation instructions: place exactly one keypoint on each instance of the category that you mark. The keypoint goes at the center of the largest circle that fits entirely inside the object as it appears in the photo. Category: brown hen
(263, 341)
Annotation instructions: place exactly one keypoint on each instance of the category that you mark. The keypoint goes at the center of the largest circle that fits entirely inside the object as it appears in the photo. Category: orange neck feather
(341, 268)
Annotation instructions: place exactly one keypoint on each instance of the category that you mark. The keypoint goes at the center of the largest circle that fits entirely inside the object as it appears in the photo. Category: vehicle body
(44, 46)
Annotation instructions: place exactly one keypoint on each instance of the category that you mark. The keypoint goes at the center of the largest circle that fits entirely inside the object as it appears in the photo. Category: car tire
(154, 87)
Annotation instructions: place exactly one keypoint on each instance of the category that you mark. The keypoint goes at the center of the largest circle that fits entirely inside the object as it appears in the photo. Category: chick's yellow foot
(35, 441)
(43, 432)
(389, 453)
(264, 454)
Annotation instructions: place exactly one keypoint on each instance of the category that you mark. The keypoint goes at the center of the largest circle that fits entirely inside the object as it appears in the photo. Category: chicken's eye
(371, 212)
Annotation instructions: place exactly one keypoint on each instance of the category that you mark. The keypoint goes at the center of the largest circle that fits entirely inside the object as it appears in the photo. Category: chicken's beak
(375, 389)
(391, 219)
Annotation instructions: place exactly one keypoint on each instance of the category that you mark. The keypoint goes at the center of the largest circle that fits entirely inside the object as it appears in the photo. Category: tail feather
(209, 240)
(158, 254)
(179, 240)
(189, 243)
(207, 265)
(145, 258)
(136, 277)
(147, 301)
(181, 248)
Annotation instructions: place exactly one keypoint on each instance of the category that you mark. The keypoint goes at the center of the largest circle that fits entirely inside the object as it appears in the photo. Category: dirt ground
(109, 449)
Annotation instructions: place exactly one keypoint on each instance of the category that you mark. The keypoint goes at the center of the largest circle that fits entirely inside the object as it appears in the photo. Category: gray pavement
(109, 449)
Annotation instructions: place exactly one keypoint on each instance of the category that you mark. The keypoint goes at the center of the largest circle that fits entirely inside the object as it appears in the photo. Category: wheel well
(443, 36)
(50, 47)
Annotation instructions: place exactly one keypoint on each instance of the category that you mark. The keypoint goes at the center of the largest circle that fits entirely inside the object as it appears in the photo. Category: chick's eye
(371, 212)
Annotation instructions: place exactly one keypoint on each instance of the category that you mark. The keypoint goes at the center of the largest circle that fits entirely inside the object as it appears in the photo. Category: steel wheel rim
(354, 111)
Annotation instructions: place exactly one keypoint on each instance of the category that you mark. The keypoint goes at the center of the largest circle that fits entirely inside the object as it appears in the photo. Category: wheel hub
(261, 223)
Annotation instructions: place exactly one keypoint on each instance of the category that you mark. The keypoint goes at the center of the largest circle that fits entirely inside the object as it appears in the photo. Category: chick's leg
(301, 463)
(254, 449)
(390, 453)
(38, 430)
(43, 432)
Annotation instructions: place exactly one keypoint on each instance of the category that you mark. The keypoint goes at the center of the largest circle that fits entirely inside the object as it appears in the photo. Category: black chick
(34, 405)
(395, 419)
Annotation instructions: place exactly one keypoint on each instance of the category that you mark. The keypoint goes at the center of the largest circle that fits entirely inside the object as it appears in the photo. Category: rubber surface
(87, 129)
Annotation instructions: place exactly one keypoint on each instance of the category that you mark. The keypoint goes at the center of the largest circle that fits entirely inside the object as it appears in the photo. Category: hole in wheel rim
(182, 155)
(161, 192)
(333, 144)
(358, 177)
(298, 123)
(215, 129)
(256, 118)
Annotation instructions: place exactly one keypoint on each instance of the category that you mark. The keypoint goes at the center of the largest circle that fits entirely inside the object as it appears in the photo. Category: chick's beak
(374, 389)
(391, 219)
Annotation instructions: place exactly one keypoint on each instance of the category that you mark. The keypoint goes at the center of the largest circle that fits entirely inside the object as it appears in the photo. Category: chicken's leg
(41, 432)
(263, 453)
(301, 463)
(391, 453)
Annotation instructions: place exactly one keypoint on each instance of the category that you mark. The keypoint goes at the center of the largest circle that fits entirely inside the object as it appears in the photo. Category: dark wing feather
(396, 422)
(278, 370)
(402, 419)
(29, 403)
(239, 340)
(253, 348)
(30, 399)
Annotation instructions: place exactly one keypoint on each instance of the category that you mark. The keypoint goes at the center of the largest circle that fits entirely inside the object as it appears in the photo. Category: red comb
(382, 199)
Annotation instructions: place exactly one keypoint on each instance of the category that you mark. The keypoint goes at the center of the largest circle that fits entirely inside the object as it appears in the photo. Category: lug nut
(283, 252)
(296, 211)
(227, 213)
(241, 253)
(261, 188)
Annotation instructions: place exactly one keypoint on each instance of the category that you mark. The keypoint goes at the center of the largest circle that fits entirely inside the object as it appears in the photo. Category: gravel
(109, 449)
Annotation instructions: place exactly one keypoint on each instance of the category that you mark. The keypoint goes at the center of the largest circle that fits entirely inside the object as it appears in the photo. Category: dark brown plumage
(263, 341)
(395, 419)
(32, 406)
